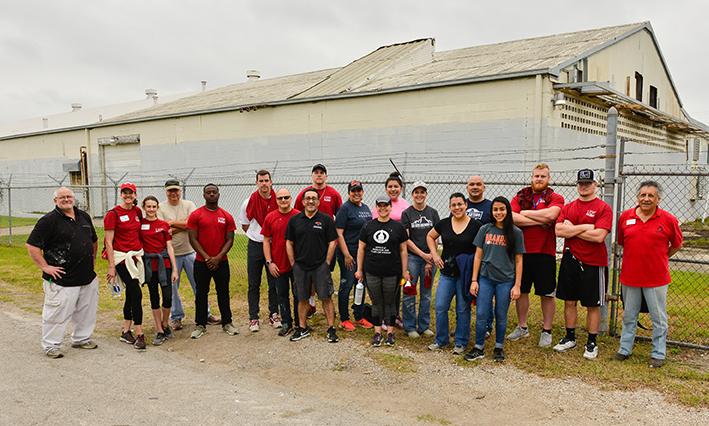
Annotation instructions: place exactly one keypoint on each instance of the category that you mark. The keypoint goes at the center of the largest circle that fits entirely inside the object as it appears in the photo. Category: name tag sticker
(145, 227)
(630, 222)
(124, 218)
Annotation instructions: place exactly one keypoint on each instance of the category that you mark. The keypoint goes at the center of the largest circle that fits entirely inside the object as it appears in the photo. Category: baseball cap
(319, 167)
(128, 185)
(419, 184)
(172, 184)
(383, 199)
(354, 185)
(586, 175)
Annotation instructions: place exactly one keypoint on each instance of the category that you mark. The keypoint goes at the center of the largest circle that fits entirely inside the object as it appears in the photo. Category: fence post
(609, 188)
(615, 252)
(9, 210)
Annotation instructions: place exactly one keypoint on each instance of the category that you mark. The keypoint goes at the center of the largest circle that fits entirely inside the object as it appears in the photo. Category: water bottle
(359, 293)
(116, 290)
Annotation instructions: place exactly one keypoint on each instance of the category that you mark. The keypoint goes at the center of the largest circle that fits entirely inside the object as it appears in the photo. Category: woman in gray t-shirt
(497, 272)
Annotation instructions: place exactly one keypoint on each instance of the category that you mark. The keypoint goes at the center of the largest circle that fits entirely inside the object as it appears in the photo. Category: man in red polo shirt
(535, 209)
(584, 224)
(649, 236)
(274, 251)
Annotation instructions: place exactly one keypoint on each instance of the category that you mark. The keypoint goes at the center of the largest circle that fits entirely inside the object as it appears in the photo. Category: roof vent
(75, 107)
(204, 85)
(253, 75)
(152, 94)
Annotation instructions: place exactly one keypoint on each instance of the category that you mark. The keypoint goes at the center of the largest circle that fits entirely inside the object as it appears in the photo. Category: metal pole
(609, 188)
(616, 250)
(9, 210)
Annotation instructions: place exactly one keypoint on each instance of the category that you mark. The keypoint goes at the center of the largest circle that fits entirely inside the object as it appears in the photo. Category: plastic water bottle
(116, 290)
(359, 293)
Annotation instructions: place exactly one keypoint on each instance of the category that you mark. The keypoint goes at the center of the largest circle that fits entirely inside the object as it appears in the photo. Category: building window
(653, 96)
(638, 86)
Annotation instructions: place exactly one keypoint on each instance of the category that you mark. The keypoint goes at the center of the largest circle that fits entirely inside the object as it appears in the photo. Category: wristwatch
(268, 262)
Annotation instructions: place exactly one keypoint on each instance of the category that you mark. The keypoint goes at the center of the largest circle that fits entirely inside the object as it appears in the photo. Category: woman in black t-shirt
(457, 233)
(382, 254)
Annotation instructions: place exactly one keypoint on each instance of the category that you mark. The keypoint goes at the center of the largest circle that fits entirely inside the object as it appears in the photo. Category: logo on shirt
(381, 236)
(221, 220)
(591, 213)
(495, 240)
(474, 213)
(317, 225)
(422, 223)
(327, 198)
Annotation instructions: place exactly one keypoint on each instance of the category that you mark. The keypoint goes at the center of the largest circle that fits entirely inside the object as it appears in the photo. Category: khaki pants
(64, 304)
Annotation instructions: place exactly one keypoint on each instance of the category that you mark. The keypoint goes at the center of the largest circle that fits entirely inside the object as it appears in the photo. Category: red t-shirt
(645, 246)
(212, 228)
(537, 238)
(330, 200)
(595, 212)
(126, 227)
(274, 227)
(154, 234)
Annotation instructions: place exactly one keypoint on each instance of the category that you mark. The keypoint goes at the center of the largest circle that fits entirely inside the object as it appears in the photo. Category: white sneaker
(565, 345)
(254, 326)
(518, 333)
(198, 332)
(275, 320)
(434, 347)
(413, 334)
(428, 333)
(545, 340)
(590, 351)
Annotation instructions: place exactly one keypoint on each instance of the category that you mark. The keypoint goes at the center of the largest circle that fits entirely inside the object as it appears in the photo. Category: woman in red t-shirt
(122, 233)
(158, 260)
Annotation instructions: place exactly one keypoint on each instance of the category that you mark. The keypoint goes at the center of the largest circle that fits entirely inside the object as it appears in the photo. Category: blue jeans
(656, 298)
(416, 269)
(501, 292)
(182, 262)
(447, 288)
(347, 282)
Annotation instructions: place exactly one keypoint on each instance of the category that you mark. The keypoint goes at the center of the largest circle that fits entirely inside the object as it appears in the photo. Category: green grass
(394, 362)
(17, 221)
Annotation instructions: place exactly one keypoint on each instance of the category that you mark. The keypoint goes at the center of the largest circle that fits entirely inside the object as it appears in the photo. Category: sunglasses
(283, 197)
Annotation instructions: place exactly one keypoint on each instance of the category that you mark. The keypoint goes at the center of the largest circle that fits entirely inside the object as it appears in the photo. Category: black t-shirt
(68, 243)
(418, 223)
(382, 257)
(455, 244)
(311, 237)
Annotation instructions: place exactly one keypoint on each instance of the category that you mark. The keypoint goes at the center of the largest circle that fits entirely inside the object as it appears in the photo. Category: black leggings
(132, 308)
(155, 292)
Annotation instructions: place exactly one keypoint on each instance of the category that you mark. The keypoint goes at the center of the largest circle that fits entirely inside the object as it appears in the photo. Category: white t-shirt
(254, 231)
(167, 212)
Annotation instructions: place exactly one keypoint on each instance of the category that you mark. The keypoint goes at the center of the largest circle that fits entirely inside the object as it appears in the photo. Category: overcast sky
(99, 52)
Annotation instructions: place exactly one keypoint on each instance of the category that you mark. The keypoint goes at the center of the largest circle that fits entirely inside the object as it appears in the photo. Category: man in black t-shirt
(478, 207)
(63, 245)
(310, 243)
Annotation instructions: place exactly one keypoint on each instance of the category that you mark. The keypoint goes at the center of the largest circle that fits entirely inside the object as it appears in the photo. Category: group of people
(493, 253)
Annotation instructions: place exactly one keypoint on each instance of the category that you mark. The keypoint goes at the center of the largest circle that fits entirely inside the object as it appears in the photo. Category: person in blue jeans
(497, 272)
(418, 219)
(457, 233)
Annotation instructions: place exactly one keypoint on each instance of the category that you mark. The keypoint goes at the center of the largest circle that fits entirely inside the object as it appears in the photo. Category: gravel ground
(262, 378)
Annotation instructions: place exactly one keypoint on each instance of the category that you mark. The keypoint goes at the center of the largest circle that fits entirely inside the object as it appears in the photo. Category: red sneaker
(347, 325)
(364, 323)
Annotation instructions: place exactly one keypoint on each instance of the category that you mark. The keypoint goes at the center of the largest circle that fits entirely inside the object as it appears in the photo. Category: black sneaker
(139, 342)
(127, 337)
(168, 332)
(332, 335)
(474, 354)
(377, 340)
(390, 339)
(159, 339)
(498, 354)
(286, 328)
(300, 333)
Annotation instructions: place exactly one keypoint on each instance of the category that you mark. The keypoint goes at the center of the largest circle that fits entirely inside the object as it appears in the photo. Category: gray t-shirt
(418, 223)
(496, 264)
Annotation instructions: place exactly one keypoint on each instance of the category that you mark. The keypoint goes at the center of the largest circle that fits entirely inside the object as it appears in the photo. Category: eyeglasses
(310, 198)
(65, 197)
(284, 197)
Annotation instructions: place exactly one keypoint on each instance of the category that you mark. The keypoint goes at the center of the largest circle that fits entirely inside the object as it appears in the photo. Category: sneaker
(176, 324)
(398, 323)
(89, 344)
(254, 326)
(212, 320)
(590, 351)
(620, 357)
(377, 340)
(545, 340)
(474, 354)
(365, 324)
(198, 332)
(311, 311)
(286, 328)
(385, 327)
(487, 334)
(413, 334)
(564, 345)
(168, 332)
(127, 337)
(275, 320)
(518, 333)
(390, 339)
(54, 353)
(159, 339)
(458, 350)
(435, 347)
(347, 325)
(139, 342)
(656, 363)
(428, 333)
(498, 354)
(332, 335)
(230, 329)
(300, 333)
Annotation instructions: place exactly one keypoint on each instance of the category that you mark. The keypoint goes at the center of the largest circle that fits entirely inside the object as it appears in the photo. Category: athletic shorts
(318, 279)
(538, 269)
(581, 282)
